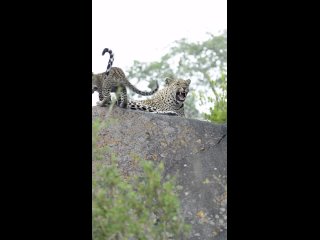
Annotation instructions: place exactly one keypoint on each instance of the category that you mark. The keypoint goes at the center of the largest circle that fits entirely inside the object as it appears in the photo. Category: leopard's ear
(168, 80)
(188, 81)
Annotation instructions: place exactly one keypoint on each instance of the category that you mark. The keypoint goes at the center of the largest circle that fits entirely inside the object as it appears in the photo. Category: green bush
(145, 208)
(218, 113)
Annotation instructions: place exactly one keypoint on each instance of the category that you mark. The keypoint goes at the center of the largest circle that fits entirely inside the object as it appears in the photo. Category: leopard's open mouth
(181, 96)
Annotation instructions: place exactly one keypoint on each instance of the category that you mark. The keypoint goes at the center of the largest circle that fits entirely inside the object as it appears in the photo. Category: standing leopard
(169, 100)
(114, 80)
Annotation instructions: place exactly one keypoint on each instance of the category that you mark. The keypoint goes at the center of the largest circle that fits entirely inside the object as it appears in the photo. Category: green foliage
(202, 62)
(143, 207)
(218, 113)
(121, 210)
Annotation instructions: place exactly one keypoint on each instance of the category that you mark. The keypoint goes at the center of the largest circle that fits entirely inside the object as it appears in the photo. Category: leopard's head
(179, 87)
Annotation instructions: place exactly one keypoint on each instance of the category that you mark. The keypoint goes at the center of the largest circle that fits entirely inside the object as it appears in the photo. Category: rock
(192, 150)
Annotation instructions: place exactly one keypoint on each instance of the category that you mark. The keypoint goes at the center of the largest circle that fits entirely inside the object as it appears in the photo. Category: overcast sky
(144, 29)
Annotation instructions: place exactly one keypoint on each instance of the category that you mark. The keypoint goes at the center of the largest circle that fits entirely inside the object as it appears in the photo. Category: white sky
(144, 29)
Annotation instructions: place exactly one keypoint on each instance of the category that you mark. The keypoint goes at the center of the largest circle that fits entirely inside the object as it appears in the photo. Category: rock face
(194, 151)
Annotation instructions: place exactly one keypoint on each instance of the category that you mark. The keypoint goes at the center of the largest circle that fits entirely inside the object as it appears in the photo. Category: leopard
(114, 80)
(168, 101)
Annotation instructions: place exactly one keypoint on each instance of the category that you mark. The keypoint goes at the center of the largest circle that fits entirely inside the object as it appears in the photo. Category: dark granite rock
(194, 151)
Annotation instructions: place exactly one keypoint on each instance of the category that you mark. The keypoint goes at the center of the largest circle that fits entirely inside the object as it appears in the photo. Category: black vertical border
(46, 168)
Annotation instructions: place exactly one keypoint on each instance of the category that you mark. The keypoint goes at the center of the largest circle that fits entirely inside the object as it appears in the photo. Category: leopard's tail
(143, 93)
(111, 59)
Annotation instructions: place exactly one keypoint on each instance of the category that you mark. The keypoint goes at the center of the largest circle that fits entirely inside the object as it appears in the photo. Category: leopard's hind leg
(122, 97)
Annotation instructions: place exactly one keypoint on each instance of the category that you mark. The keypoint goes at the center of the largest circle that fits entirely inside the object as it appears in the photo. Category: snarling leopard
(168, 101)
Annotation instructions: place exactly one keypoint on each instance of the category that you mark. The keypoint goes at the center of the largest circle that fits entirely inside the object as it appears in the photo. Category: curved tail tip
(106, 50)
